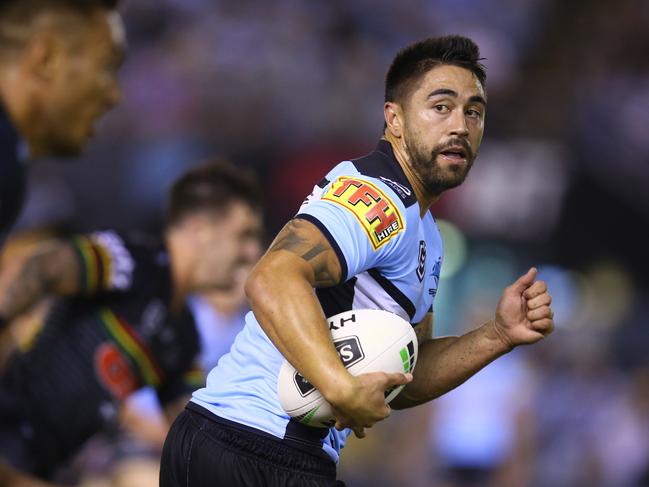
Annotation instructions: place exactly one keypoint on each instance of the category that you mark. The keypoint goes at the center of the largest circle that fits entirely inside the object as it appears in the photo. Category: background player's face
(227, 246)
(83, 85)
(443, 126)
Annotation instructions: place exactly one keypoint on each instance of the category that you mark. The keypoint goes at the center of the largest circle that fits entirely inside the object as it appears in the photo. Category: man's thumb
(525, 281)
(398, 379)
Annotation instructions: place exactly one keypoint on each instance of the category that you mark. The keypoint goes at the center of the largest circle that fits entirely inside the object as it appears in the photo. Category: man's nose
(458, 124)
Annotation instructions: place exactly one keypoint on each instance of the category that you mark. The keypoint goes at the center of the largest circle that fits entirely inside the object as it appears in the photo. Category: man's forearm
(22, 286)
(445, 363)
(53, 268)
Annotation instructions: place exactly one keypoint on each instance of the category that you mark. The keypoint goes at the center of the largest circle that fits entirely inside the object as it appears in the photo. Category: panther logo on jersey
(114, 371)
(374, 210)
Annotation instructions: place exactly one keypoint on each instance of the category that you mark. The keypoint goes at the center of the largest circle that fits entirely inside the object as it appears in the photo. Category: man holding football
(364, 238)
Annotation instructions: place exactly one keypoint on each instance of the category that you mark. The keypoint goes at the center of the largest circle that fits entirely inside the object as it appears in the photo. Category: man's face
(84, 85)
(228, 244)
(443, 123)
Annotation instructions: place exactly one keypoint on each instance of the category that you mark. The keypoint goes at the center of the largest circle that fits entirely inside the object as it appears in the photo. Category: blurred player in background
(58, 75)
(131, 456)
(123, 322)
(365, 238)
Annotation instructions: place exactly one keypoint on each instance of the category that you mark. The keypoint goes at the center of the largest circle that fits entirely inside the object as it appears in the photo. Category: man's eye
(441, 108)
(474, 113)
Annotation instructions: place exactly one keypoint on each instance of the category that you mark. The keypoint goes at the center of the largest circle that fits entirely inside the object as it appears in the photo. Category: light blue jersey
(391, 259)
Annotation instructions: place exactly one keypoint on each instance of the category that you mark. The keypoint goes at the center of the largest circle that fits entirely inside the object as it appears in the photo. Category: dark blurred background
(289, 88)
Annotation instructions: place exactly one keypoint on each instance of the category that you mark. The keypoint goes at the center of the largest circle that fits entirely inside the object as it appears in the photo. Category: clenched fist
(524, 314)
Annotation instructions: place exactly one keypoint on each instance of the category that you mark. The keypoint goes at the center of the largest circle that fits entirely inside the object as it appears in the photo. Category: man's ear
(393, 115)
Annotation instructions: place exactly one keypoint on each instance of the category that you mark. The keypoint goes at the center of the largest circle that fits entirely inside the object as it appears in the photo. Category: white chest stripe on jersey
(369, 294)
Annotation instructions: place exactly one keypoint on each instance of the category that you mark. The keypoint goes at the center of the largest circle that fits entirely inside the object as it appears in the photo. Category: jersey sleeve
(361, 218)
(107, 263)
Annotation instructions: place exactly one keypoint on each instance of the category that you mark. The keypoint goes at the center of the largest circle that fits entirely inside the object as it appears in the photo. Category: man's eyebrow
(449, 92)
(478, 99)
(442, 91)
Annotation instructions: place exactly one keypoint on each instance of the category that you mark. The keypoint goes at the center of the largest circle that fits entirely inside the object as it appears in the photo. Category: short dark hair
(211, 187)
(21, 14)
(417, 59)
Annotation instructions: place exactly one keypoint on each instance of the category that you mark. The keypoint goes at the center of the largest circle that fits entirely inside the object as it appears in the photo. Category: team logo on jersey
(435, 275)
(375, 211)
(114, 371)
(350, 352)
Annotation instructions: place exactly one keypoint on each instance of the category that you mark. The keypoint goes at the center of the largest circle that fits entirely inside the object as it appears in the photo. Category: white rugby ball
(367, 340)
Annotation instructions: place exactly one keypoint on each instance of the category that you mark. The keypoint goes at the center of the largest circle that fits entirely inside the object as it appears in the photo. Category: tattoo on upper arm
(324, 278)
(289, 239)
(313, 252)
(297, 238)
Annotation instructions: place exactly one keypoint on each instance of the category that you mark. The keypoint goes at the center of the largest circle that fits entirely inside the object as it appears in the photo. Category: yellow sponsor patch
(375, 211)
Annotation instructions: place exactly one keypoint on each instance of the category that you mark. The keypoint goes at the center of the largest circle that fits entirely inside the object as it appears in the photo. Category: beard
(437, 179)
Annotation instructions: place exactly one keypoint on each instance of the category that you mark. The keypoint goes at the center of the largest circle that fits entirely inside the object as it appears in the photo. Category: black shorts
(203, 450)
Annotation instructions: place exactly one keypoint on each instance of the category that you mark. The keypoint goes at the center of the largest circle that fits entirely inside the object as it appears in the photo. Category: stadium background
(291, 87)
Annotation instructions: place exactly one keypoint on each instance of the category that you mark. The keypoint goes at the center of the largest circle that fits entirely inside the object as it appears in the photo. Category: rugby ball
(367, 340)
